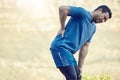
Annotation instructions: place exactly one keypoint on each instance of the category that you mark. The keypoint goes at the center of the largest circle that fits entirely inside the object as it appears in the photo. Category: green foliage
(96, 77)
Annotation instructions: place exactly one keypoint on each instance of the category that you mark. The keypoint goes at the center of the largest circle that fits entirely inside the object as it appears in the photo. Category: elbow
(87, 44)
(64, 9)
(61, 8)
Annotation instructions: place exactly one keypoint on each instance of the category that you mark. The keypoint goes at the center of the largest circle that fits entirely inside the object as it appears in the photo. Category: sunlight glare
(33, 5)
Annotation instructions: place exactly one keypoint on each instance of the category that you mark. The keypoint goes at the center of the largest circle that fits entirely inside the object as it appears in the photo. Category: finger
(62, 35)
(58, 33)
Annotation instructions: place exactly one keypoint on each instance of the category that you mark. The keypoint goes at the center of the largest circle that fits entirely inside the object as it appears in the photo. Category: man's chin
(97, 22)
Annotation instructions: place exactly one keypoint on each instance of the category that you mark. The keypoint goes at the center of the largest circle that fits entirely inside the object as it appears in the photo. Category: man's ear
(100, 10)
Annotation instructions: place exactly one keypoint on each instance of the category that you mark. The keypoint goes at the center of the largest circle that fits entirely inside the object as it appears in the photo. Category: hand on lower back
(61, 31)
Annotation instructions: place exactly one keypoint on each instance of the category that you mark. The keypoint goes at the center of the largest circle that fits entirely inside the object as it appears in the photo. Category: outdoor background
(27, 28)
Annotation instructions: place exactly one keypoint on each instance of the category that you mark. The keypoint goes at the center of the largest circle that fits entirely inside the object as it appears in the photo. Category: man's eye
(105, 19)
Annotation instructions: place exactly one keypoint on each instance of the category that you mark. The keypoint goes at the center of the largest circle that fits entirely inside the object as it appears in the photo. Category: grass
(96, 77)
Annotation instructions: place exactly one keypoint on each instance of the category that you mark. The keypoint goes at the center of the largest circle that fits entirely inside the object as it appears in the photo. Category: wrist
(62, 28)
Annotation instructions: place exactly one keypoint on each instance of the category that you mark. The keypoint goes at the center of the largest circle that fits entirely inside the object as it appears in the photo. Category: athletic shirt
(78, 30)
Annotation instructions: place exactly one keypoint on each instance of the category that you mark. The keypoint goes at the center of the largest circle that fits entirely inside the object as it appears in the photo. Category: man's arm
(82, 54)
(63, 13)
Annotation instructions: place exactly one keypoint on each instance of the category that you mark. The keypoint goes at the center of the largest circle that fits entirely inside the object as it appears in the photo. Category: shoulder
(61, 8)
(77, 11)
(77, 8)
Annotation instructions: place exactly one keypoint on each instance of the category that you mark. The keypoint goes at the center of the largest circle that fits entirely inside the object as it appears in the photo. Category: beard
(97, 20)
(94, 20)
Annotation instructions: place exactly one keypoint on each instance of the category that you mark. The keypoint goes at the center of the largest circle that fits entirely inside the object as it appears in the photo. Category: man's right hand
(61, 31)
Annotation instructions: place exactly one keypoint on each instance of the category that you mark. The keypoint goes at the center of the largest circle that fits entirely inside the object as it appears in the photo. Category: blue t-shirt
(78, 30)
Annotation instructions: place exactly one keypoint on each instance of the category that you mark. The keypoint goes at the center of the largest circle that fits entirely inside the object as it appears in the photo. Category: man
(76, 35)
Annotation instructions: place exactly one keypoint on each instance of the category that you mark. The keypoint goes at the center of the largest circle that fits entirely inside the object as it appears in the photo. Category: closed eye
(105, 19)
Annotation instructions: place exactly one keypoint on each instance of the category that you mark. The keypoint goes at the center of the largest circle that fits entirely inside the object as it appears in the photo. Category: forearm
(63, 13)
(82, 54)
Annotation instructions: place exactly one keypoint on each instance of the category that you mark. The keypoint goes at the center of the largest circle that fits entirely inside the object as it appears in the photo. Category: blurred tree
(2, 3)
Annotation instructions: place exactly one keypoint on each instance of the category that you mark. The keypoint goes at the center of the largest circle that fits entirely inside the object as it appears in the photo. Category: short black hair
(105, 9)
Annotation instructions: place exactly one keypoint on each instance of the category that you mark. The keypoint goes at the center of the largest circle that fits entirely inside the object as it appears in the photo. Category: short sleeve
(77, 11)
(89, 40)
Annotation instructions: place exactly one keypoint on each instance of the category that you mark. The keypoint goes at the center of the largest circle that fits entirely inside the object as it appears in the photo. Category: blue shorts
(63, 57)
